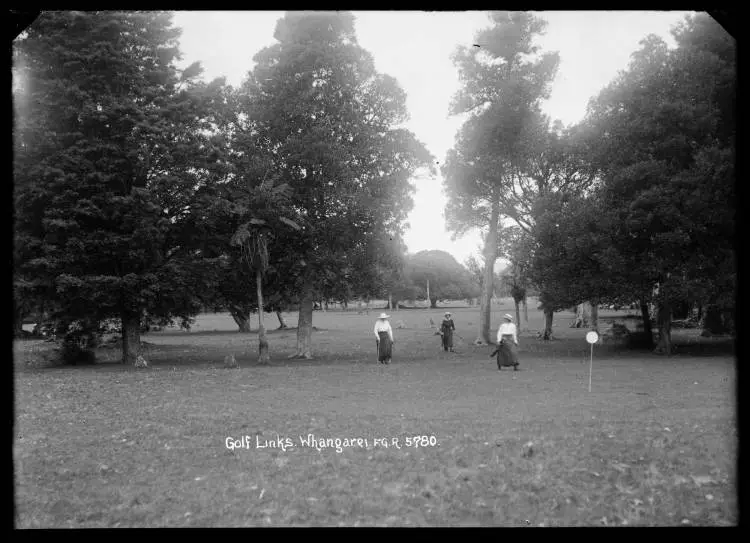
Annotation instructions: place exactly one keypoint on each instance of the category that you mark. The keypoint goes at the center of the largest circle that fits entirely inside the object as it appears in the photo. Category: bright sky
(415, 48)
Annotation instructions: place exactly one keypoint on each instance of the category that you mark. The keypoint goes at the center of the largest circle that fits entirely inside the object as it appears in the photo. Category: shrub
(71, 354)
(639, 340)
(79, 339)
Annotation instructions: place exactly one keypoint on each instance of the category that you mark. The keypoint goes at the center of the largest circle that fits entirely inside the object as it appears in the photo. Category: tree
(569, 254)
(476, 273)
(663, 140)
(504, 82)
(263, 204)
(627, 236)
(277, 296)
(575, 255)
(516, 246)
(447, 279)
(387, 256)
(328, 118)
(554, 164)
(112, 149)
(245, 214)
(237, 290)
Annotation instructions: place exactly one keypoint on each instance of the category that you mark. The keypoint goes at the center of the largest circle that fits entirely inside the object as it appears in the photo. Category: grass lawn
(654, 443)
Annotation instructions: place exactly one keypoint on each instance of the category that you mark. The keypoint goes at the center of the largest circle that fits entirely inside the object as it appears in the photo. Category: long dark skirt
(447, 337)
(507, 355)
(384, 347)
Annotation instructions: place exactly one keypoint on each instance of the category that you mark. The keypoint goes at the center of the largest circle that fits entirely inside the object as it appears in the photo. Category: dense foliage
(316, 102)
(143, 193)
(111, 156)
(658, 226)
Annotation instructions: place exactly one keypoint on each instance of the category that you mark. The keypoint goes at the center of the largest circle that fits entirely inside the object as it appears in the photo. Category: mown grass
(654, 443)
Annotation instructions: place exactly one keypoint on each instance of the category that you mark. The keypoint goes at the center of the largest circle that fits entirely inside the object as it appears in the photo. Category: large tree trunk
(41, 320)
(646, 316)
(548, 315)
(390, 302)
(595, 315)
(664, 322)
(131, 337)
(518, 313)
(525, 312)
(242, 319)
(304, 326)
(713, 323)
(282, 322)
(583, 316)
(488, 284)
(728, 321)
(19, 313)
(40, 324)
(428, 291)
(433, 302)
(18, 322)
(681, 310)
(262, 339)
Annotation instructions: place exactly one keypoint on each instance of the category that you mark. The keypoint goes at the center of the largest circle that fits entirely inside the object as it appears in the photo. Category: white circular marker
(592, 337)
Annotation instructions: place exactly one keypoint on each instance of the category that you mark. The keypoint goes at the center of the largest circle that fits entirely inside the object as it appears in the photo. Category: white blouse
(383, 326)
(507, 328)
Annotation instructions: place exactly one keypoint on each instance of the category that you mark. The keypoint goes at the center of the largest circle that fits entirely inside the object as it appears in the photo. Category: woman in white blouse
(384, 335)
(507, 341)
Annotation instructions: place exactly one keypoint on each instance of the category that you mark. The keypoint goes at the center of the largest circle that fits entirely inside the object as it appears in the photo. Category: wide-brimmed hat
(507, 316)
(384, 316)
(447, 312)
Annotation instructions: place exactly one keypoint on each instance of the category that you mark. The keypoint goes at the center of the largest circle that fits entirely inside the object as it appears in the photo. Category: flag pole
(591, 365)
(592, 337)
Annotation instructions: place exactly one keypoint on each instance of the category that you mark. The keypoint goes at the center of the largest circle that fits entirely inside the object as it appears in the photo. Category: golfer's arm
(390, 332)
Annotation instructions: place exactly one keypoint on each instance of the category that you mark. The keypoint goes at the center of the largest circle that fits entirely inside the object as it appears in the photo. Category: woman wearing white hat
(507, 343)
(384, 335)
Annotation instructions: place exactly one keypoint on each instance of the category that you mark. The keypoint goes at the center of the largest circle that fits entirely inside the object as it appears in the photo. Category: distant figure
(507, 344)
(446, 332)
(384, 335)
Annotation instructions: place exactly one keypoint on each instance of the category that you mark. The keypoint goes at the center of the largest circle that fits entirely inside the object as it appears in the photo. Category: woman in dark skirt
(446, 332)
(384, 335)
(507, 344)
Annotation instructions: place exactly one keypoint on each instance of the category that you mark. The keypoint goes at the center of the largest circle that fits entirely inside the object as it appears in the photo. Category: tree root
(299, 355)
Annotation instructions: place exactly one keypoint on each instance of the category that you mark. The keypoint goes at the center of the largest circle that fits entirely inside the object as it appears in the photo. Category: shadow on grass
(570, 347)
(234, 333)
(687, 349)
(229, 333)
(28, 336)
(706, 347)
